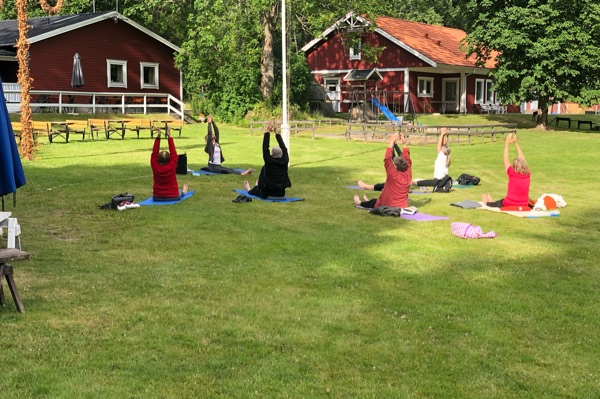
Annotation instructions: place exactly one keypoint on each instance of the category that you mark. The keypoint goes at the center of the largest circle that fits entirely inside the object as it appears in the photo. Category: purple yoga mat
(423, 217)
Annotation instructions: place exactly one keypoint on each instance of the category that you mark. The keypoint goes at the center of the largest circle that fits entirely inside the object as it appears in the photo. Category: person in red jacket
(164, 164)
(398, 172)
(519, 179)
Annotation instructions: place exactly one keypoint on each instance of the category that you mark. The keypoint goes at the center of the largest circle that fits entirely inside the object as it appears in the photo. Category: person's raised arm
(172, 149)
(156, 147)
(393, 138)
(214, 124)
(506, 143)
(519, 152)
(266, 141)
(442, 139)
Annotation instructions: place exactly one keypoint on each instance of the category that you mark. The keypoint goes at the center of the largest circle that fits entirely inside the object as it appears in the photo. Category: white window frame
(427, 81)
(355, 55)
(490, 94)
(145, 85)
(480, 99)
(123, 65)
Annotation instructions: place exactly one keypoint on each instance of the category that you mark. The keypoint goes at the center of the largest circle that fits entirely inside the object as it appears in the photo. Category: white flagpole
(285, 126)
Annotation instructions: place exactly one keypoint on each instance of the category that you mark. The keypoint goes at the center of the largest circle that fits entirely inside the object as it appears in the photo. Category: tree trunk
(267, 63)
(542, 117)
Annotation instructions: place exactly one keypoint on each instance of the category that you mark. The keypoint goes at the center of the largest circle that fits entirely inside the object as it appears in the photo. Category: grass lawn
(314, 299)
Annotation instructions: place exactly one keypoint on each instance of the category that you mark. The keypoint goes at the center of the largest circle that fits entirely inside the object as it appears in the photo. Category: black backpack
(181, 164)
(443, 185)
(467, 180)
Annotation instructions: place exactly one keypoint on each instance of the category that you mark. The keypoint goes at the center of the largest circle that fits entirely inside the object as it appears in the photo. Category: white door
(332, 90)
(450, 95)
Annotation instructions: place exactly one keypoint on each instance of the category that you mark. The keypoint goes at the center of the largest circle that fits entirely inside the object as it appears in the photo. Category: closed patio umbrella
(77, 75)
(11, 170)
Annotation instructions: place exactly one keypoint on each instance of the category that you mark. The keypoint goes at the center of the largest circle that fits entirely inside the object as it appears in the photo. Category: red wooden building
(421, 68)
(119, 58)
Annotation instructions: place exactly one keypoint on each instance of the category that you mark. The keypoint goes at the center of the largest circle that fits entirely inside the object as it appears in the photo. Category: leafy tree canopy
(548, 50)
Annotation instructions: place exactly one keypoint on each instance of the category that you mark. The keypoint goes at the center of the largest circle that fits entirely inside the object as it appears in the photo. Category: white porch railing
(93, 102)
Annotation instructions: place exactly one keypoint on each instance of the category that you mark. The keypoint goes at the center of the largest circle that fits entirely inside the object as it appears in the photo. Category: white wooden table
(13, 230)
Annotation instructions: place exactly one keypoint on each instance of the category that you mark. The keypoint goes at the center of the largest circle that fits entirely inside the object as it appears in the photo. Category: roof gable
(46, 27)
(431, 43)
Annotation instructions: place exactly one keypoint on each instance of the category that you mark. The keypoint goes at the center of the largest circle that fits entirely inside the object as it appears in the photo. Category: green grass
(313, 299)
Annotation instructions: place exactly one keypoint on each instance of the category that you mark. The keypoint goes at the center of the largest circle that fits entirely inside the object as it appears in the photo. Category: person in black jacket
(273, 179)
(215, 155)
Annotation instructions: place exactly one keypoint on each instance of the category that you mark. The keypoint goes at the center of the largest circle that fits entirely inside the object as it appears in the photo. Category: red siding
(52, 59)
(331, 55)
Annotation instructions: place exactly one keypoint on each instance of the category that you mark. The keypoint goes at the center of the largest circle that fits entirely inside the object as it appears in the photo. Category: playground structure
(366, 102)
(397, 106)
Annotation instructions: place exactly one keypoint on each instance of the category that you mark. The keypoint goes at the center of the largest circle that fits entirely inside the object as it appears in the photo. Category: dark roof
(363, 74)
(45, 27)
(42, 25)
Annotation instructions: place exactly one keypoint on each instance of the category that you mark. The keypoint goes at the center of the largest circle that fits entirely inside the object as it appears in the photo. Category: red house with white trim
(118, 57)
(421, 67)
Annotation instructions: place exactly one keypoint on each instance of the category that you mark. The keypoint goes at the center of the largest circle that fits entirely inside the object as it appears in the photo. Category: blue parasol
(11, 170)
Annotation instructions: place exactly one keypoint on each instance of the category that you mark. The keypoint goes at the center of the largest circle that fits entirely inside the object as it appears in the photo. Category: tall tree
(545, 50)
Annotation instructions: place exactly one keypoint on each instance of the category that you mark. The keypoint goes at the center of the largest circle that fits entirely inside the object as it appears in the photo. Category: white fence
(93, 102)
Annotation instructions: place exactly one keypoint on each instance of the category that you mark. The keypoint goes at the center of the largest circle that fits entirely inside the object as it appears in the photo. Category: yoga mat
(467, 204)
(150, 201)
(270, 199)
(523, 214)
(419, 216)
(462, 186)
(423, 217)
(205, 172)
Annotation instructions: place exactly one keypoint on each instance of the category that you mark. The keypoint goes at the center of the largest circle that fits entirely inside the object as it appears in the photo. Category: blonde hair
(520, 166)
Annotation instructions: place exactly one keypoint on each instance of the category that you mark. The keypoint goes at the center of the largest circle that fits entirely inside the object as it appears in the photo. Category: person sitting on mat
(215, 155)
(398, 172)
(519, 179)
(164, 164)
(273, 179)
(442, 162)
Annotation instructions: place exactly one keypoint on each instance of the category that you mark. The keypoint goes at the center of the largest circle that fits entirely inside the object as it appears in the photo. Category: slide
(386, 111)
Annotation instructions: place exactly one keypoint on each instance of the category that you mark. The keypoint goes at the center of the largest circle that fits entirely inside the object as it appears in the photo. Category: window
(479, 90)
(489, 91)
(425, 87)
(149, 75)
(355, 53)
(116, 73)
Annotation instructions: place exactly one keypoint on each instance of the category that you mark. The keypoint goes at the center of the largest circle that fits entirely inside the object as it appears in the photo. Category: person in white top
(442, 162)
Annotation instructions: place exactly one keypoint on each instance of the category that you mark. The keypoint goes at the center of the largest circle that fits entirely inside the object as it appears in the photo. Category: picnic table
(6, 272)
(562, 119)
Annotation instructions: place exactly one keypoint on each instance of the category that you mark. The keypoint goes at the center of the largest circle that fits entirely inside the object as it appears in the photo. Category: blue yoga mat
(150, 201)
(205, 172)
(269, 199)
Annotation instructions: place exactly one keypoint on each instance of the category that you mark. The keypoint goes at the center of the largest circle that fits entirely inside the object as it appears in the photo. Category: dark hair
(164, 157)
(400, 164)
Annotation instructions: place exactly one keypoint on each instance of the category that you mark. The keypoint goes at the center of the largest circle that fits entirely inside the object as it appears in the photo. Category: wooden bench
(562, 119)
(177, 126)
(589, 123)
(6, 272)
(17, 130)
(137, 125)
(78, 126)
(96, 125)
(63, 129)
